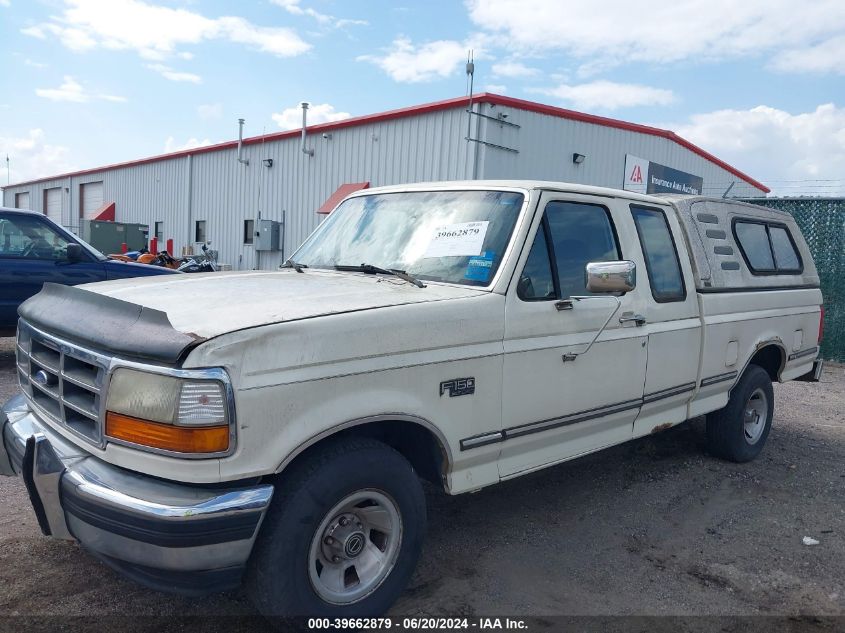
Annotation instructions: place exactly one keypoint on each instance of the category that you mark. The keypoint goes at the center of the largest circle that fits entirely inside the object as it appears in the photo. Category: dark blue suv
(35, 250)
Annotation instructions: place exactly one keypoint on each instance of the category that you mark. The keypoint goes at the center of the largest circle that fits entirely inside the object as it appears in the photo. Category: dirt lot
(653, 527)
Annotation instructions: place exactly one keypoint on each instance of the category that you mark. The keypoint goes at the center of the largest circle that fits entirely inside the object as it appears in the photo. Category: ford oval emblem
(42, 378)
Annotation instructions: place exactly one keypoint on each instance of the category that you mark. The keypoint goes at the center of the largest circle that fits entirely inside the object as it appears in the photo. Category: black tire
(278, 579)
(728, 436)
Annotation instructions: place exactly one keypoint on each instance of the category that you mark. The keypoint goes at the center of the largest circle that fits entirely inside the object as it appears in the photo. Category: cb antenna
(470, 78)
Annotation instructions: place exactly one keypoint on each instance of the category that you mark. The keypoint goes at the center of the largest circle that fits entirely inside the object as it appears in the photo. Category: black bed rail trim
(708, 291)
(803, 353)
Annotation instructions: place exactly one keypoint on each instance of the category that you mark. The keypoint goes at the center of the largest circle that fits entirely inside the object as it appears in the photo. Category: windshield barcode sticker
(457, 240)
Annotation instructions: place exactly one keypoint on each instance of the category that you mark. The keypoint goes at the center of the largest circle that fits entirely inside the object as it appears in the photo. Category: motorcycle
(205, 263)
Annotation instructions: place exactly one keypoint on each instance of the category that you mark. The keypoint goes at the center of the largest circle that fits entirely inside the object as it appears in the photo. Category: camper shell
(719, 262)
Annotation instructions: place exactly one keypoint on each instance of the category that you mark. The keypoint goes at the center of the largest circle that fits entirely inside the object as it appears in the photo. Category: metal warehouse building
(209, 194)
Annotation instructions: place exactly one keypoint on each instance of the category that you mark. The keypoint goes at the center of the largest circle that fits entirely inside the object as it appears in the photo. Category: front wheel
(342, 536)
(739, 431)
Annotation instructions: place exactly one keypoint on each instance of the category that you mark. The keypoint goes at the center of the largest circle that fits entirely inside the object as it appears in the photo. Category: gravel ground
(652, 527)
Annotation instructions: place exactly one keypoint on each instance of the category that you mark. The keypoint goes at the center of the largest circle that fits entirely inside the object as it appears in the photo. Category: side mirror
(611, 277)
(75, 253)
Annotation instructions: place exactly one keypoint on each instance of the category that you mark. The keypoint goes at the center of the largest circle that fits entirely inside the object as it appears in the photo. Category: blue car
(35, 250)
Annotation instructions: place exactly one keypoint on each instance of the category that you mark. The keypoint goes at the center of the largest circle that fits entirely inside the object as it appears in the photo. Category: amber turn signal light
(201, 439)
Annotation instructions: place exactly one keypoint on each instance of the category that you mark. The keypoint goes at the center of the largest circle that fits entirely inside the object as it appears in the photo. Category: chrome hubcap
(755, 416)
(355, 547)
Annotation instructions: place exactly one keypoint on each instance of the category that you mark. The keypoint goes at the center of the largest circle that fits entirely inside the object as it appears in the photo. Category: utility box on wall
(109, 237)
(267, 235)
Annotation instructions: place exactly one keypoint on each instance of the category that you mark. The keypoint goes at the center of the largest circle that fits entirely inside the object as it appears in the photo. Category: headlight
(184, 415)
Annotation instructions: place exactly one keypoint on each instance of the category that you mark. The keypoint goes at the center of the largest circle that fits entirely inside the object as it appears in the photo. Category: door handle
(638, 319)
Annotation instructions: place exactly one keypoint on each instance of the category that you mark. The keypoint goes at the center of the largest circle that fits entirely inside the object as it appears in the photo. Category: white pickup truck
(464, 333)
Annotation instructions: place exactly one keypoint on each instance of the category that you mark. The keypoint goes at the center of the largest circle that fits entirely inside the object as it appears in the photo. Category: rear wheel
(739, 431)
(342, 536)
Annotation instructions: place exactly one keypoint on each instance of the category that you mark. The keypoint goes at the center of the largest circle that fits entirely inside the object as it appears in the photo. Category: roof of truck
(547, 185)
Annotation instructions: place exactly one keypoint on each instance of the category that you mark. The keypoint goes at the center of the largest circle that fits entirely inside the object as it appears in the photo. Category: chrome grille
(63, 381)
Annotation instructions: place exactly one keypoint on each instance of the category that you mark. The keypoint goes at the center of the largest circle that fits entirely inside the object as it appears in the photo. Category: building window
(199, 233)
(249, 231)
(158, 233)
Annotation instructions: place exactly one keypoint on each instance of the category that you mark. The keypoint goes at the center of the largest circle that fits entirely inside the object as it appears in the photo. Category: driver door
(555, 406)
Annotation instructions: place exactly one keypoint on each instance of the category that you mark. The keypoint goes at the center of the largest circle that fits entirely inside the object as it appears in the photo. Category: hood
(207, 305)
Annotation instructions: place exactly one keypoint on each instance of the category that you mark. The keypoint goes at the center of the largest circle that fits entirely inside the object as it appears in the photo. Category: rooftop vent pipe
(241, 159)
(305, 105)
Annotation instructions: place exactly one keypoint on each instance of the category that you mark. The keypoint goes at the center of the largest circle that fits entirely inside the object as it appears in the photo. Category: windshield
(452, 236)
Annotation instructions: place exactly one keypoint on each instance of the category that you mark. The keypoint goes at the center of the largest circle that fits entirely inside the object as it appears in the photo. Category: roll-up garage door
(91, 194)
(22, 200)
(53, 204)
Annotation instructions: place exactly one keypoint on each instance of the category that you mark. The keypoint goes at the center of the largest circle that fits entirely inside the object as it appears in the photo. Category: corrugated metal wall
(546, 144)
(214, 187)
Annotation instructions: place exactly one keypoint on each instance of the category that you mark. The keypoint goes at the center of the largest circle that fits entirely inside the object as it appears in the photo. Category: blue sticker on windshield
(479, 267)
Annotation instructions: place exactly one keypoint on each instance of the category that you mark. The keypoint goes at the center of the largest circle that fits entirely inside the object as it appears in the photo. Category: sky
(759, 83)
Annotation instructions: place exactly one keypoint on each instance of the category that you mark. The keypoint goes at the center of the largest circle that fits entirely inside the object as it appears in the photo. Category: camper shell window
(767, 247)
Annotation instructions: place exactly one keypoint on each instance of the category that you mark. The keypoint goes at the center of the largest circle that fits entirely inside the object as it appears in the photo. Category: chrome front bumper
(169, 536)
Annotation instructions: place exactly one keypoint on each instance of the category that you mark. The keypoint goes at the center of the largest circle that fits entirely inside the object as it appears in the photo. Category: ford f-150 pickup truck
(464, 333)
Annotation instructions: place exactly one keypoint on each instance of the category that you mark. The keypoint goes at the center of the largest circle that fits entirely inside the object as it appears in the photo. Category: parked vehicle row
(464, 333)
(34, 250)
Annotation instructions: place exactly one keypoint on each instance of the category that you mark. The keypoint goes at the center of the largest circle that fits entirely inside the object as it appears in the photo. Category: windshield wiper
(295, 265)
(369, 268)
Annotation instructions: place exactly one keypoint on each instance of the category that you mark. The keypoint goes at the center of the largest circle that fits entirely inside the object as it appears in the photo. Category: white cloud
(516, 70)
(72, 90)
(34, 64)
(496, 88)
(210, 111)
(32, 157)
(406, 62)
(294, 8)
(291, 118)
(608, 95)
(5, 3)
(825, 57)
(605, 33)
(792, 153)
(156, 31)
(173, 75)
(170, 145)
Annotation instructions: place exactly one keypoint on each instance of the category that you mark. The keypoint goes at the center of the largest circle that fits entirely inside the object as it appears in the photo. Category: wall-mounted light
(578, 158)
(268, 162)
(327, 135)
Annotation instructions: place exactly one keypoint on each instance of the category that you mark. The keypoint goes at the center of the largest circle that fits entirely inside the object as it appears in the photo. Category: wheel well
(769, 358)
(413, 441)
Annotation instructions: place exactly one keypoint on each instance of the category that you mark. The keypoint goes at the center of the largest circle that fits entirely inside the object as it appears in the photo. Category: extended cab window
(768, 249)
(572, 234)
(661, 257)
(30, 237)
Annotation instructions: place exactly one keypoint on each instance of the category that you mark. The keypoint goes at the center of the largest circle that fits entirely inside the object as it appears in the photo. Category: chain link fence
(822, 221)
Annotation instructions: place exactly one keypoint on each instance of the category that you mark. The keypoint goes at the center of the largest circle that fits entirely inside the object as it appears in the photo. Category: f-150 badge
(458, 387)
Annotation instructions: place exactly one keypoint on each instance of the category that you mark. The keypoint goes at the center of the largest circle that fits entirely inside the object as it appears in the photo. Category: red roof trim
(340, 193)
(435, 106)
